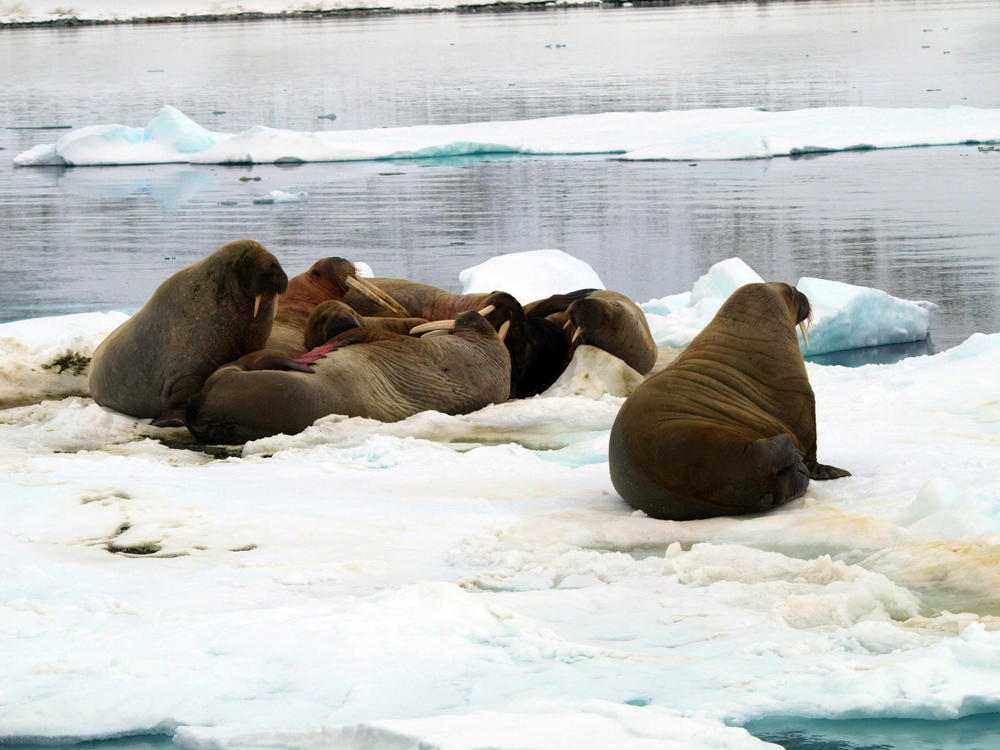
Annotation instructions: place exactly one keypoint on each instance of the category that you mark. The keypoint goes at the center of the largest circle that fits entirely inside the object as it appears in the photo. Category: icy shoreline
(22, 16)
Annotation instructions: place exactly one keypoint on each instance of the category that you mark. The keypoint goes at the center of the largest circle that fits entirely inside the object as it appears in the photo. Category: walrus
(333, 317)
(363, 372)
(202, 317)
(432, 303)
(326, 279)
(603, 318)
(729, 427)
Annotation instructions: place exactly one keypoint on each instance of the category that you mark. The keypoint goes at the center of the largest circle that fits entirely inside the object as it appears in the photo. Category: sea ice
(475, 580)
(531, 275)
(279, 196)
(734, 133)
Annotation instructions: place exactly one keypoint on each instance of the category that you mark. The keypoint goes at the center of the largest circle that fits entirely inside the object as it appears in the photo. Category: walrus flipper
(823, 471)
(175, 401)
(169, 419)
(789, 475)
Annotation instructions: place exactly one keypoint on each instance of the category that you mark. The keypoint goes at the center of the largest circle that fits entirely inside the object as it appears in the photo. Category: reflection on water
(979, 732)
(98, 239)
(918, 223)
(875, 355)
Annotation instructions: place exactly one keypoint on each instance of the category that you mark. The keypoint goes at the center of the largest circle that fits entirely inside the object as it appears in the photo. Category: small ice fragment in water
(277, 196)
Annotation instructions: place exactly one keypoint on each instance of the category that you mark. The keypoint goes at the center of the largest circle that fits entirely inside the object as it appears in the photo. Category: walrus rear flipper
(169, 419)
(792, 478)
(822, 471)
(267, 359)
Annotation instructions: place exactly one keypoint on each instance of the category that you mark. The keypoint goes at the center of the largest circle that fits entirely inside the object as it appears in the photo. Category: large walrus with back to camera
(729, 427)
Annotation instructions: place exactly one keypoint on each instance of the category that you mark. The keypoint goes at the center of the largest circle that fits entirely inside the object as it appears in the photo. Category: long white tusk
(256, 304)
(487, 310)
(576, 334)
(432, 334)
(802, 327)
(504, 327)
(567, 325)
(375, 294)
(434, 325)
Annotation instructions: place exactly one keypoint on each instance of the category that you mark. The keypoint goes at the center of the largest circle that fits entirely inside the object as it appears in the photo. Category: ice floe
(733, 133)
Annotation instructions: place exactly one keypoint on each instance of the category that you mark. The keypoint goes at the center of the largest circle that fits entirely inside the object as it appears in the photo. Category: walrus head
(749, 305)
(329, 319)
(260, 275)
(798, 307)
(506, 312)
(336, 275)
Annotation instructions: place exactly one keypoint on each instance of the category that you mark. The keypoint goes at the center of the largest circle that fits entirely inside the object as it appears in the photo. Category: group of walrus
(234, 350)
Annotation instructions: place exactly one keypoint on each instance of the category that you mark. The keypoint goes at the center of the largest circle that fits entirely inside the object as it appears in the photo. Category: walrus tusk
(567, 325)
(375, 294)
(437, 332)
(256, 304)
(434, 325)
(802, 327)
(487, 310)
(504, 327)
(576, 334)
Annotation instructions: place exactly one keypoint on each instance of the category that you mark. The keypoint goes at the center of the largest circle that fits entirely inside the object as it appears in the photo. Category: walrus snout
(473, 321)
(506, 310)
(260, 273)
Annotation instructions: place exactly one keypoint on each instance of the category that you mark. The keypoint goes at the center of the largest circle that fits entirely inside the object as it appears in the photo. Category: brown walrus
(729, 427)
(363, 372)
(554, 327)
(200, 318)
(432, 303)
(333, 317)
(326, 279)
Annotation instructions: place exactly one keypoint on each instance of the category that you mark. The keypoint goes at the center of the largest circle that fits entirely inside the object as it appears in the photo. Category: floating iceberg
(843, 316)
(735, 133)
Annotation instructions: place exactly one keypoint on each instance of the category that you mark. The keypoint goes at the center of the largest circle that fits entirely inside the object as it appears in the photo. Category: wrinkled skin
(198, 319)
(431, 303)
(323, 281)
(729, 427)
(360, 373)
(332, 318)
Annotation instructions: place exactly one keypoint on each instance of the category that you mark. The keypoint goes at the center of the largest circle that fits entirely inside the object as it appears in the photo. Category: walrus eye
(314, 272)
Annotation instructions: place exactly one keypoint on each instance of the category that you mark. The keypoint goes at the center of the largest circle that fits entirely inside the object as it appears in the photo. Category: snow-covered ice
(720, 133)
(475, 581)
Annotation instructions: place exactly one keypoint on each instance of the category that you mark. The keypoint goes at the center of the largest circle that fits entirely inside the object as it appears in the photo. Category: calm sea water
(919, 223)
(979, 732)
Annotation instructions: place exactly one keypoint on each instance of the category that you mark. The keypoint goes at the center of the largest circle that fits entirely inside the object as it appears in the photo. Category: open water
(919, 223)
